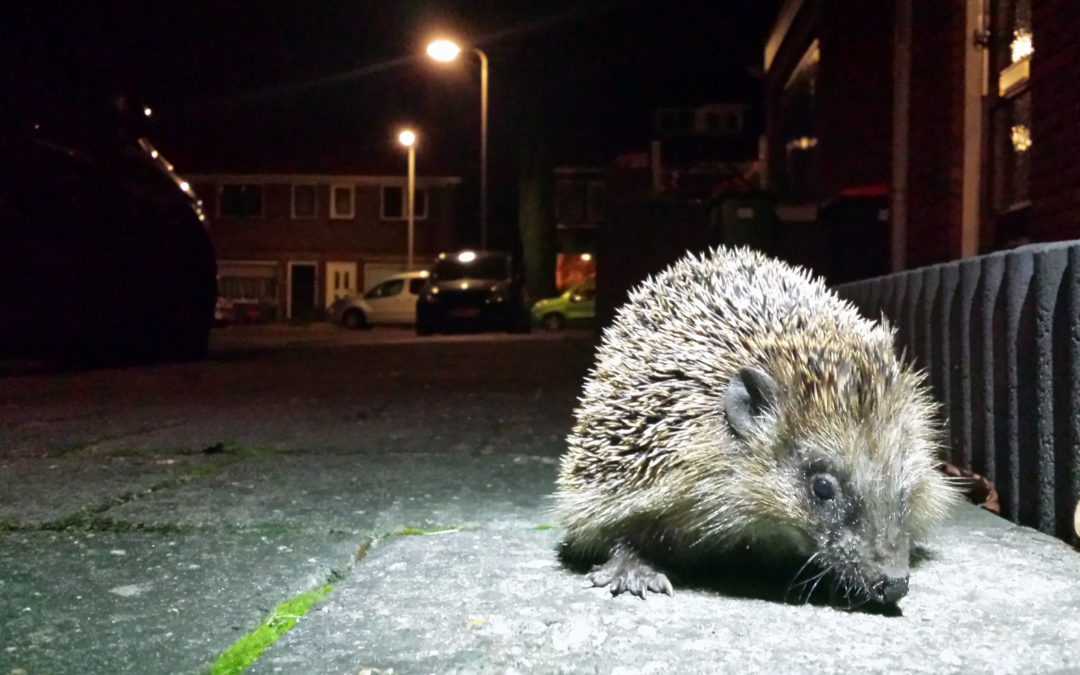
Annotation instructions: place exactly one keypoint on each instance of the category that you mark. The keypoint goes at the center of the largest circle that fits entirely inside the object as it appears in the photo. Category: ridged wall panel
(999, 339)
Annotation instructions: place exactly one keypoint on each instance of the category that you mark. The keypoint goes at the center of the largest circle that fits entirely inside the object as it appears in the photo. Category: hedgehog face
(861, 543)
(846, 500)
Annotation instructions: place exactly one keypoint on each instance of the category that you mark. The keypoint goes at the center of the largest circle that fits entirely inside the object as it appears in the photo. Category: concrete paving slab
(994, 598)
(367, 494)
(147, 602)
(35, 493)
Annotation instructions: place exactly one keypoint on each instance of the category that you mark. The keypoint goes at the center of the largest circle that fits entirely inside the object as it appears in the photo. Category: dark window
(571, 207)
(303, 201)
(1012, 154)
(595, 207)
(1010, 137)
(241, 201)
(798, 175)
(395, 202)
(341, 201)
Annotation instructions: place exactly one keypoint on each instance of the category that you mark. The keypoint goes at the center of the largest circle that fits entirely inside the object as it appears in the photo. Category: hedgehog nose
(890, 589)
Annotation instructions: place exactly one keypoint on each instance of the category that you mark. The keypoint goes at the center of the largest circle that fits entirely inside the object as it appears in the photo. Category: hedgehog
(736, 403)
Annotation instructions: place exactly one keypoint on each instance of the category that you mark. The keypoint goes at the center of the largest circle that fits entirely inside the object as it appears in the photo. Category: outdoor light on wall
(1021, 137)
(147, 111)
(1021, 46)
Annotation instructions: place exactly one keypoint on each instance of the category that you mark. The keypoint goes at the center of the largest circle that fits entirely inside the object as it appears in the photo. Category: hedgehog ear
(750, 393)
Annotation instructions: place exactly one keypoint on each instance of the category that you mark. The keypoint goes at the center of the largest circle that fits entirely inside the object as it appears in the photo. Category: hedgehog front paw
(625, 570)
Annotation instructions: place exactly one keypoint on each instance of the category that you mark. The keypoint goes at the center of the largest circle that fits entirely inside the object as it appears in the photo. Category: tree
(536, 206)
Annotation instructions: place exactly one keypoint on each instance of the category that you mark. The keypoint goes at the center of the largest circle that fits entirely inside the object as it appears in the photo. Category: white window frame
(419, 215)
(334, 213)
(314, 201)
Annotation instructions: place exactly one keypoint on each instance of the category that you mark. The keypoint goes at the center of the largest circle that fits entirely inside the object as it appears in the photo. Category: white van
(391, 301)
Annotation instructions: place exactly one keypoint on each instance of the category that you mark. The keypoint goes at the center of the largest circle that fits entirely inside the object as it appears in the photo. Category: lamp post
(408, 139)
(445, 50)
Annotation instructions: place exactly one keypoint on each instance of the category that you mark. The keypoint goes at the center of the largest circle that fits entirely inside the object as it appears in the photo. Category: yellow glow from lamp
(586, 257)
(443, 50)
(466, 256)
(407, 138)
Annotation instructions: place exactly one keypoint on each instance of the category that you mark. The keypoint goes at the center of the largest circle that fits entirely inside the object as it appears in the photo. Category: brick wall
(1055, 133)
(935, 180)
(366, 235)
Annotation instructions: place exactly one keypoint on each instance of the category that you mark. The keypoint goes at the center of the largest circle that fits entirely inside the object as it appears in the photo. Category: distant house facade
(960, 115)
(288, 245)
(580, 208)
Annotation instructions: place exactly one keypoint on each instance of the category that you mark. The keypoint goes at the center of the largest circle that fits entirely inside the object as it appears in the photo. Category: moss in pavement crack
(281, 620)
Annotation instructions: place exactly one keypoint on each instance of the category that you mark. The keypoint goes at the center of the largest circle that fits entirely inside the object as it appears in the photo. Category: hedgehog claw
(625, 571)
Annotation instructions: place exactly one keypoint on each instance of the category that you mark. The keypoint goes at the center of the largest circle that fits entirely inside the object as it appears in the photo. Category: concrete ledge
(994, 597)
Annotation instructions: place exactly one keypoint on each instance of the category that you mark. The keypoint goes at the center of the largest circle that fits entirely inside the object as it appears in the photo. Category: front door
(302, 291)
(340, 280)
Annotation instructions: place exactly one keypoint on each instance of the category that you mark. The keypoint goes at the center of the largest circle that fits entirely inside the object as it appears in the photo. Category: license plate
(465, 313)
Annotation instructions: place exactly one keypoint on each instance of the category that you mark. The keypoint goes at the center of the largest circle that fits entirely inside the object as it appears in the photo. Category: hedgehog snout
(889, 589)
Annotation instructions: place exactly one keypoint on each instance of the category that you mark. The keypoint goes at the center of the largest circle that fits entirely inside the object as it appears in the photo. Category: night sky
(323, 86)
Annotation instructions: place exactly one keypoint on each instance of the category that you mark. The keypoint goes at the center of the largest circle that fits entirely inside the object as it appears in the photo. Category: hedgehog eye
(823, 488)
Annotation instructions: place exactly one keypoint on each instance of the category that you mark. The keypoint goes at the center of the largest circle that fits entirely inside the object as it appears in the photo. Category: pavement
(152, 519)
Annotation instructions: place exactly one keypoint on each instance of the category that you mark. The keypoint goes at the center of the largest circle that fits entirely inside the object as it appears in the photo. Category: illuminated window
(1012, 156)
(1011, 140)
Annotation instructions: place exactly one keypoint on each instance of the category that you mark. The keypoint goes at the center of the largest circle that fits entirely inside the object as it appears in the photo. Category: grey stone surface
(42, 492)
(373, 493)
(321, 441)
(147, 602)
(995, 598)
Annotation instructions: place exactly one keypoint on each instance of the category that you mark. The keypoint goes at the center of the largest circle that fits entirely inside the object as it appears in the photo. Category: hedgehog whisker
(795, 583)
(817, 579)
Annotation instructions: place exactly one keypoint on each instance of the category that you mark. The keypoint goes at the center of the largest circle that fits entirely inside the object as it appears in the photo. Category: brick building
(962, 112)
(289, 244)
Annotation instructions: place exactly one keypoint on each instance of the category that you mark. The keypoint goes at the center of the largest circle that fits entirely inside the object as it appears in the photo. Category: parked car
(472, 289)
(224, 311)
(392, 301)
(107, 256)
(575, 307)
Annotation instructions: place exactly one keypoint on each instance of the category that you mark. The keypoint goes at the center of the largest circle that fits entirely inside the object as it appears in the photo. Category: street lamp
(445, 50)
(408, 139)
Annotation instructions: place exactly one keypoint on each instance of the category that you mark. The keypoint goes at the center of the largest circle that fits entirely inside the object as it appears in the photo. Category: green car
(575, 307)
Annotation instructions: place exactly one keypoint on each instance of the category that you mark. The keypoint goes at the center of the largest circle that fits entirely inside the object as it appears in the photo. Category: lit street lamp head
(407, 138)
(443, 50)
